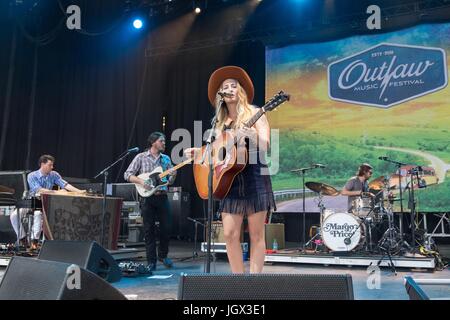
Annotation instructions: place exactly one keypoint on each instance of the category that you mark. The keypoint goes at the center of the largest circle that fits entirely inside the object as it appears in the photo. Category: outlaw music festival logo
(387, 74)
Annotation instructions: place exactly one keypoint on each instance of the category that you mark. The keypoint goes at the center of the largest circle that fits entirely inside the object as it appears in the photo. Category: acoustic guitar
(228, 157)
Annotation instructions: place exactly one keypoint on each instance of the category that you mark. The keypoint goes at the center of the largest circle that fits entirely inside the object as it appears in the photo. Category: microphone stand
(105, 173)
(399, 165)
(196, 223)
(208, 151)
(412, 172)
(303, 171)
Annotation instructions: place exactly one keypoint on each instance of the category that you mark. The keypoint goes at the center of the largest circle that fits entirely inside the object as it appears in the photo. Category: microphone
(135, 149)
(224, 94)
(347, 241)
(383, 158)
(318, 165)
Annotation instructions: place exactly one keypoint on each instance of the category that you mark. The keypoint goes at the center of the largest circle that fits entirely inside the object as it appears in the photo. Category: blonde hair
(244, 109)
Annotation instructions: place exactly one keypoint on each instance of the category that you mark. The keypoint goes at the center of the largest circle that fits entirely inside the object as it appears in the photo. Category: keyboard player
(39, 182)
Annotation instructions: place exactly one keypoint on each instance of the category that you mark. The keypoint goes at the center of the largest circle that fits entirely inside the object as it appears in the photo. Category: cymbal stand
(389, 242)
(303, 171)
(322, 208)
(399, 173)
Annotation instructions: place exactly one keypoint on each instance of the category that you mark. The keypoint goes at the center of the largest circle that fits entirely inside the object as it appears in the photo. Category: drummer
(358, 185)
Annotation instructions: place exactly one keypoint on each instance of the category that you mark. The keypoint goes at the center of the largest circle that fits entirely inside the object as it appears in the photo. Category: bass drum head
(340, 226)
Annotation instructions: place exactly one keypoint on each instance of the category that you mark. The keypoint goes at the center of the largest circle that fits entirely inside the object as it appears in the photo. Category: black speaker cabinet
(265, 287)
(180, 206)
(7, 233)
(33, 279)
(87, 254)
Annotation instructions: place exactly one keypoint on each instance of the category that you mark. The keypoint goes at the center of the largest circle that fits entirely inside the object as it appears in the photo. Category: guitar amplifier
(126, 191)
(86, 184)
(274, 231)
(180, 209)
(217, 232)
(129, 219)
(132, 208)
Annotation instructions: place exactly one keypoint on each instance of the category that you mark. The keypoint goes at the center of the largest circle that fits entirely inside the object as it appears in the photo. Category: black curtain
(87, 99)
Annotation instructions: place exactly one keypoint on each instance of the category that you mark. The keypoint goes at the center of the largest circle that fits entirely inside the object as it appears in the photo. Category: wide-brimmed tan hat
(230, 72)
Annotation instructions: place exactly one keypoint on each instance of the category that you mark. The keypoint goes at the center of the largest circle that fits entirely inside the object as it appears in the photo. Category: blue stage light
(138, 24)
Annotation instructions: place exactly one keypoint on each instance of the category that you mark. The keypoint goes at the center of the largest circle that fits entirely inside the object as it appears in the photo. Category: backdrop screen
(360, 98)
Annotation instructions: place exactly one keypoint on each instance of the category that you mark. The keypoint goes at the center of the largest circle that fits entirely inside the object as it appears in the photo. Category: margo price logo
(338, 230)
(387, 74)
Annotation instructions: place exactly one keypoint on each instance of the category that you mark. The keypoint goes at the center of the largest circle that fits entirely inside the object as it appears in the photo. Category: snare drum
(338, 227)
(362, 206)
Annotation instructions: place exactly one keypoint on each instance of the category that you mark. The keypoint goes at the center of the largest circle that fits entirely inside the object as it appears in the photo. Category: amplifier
(129, 218)
(133, 209)
(217, 232)
(126, 191)
(275, 231)
(180, 209)
(86, 184)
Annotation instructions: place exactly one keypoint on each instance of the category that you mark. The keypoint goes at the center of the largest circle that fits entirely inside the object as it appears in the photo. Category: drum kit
(368, 228)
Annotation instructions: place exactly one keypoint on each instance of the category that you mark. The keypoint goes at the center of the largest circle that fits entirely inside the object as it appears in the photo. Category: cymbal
(378, 184)
(6, 189)
(322, 188)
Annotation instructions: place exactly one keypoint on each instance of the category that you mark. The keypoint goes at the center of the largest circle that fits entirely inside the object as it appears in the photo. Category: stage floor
(391, 286)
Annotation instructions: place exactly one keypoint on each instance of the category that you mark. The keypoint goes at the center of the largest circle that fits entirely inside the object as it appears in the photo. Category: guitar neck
(178, 166)
(278, 99)
(255, 117)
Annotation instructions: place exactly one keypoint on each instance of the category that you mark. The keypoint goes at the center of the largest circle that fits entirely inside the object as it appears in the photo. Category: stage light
(138, 24)
(198, 6)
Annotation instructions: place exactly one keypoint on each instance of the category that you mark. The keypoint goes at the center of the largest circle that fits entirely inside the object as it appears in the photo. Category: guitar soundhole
(222, 154)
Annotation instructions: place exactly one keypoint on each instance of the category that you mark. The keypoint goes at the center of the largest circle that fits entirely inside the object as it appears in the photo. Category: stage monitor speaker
(265, 287)
(413, 290)
(33, 279)
(87, 254)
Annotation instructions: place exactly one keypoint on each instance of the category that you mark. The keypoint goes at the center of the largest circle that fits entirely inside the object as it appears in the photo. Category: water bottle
(275, 245)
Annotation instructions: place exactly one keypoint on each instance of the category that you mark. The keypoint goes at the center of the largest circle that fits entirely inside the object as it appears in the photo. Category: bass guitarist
(231, 92)
(155, 207)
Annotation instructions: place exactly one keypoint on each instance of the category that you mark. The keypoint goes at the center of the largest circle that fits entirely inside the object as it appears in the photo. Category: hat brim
(229, 72)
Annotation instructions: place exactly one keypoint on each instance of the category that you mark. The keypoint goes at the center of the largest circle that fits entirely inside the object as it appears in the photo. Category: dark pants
(156, 208)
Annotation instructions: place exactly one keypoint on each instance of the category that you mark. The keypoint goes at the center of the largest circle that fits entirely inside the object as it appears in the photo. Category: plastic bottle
(275, 245)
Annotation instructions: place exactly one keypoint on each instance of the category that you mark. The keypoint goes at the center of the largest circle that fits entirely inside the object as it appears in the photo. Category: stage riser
(425, 263)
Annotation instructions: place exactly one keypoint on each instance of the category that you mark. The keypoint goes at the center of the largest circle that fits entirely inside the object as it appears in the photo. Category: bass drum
(343, 232)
